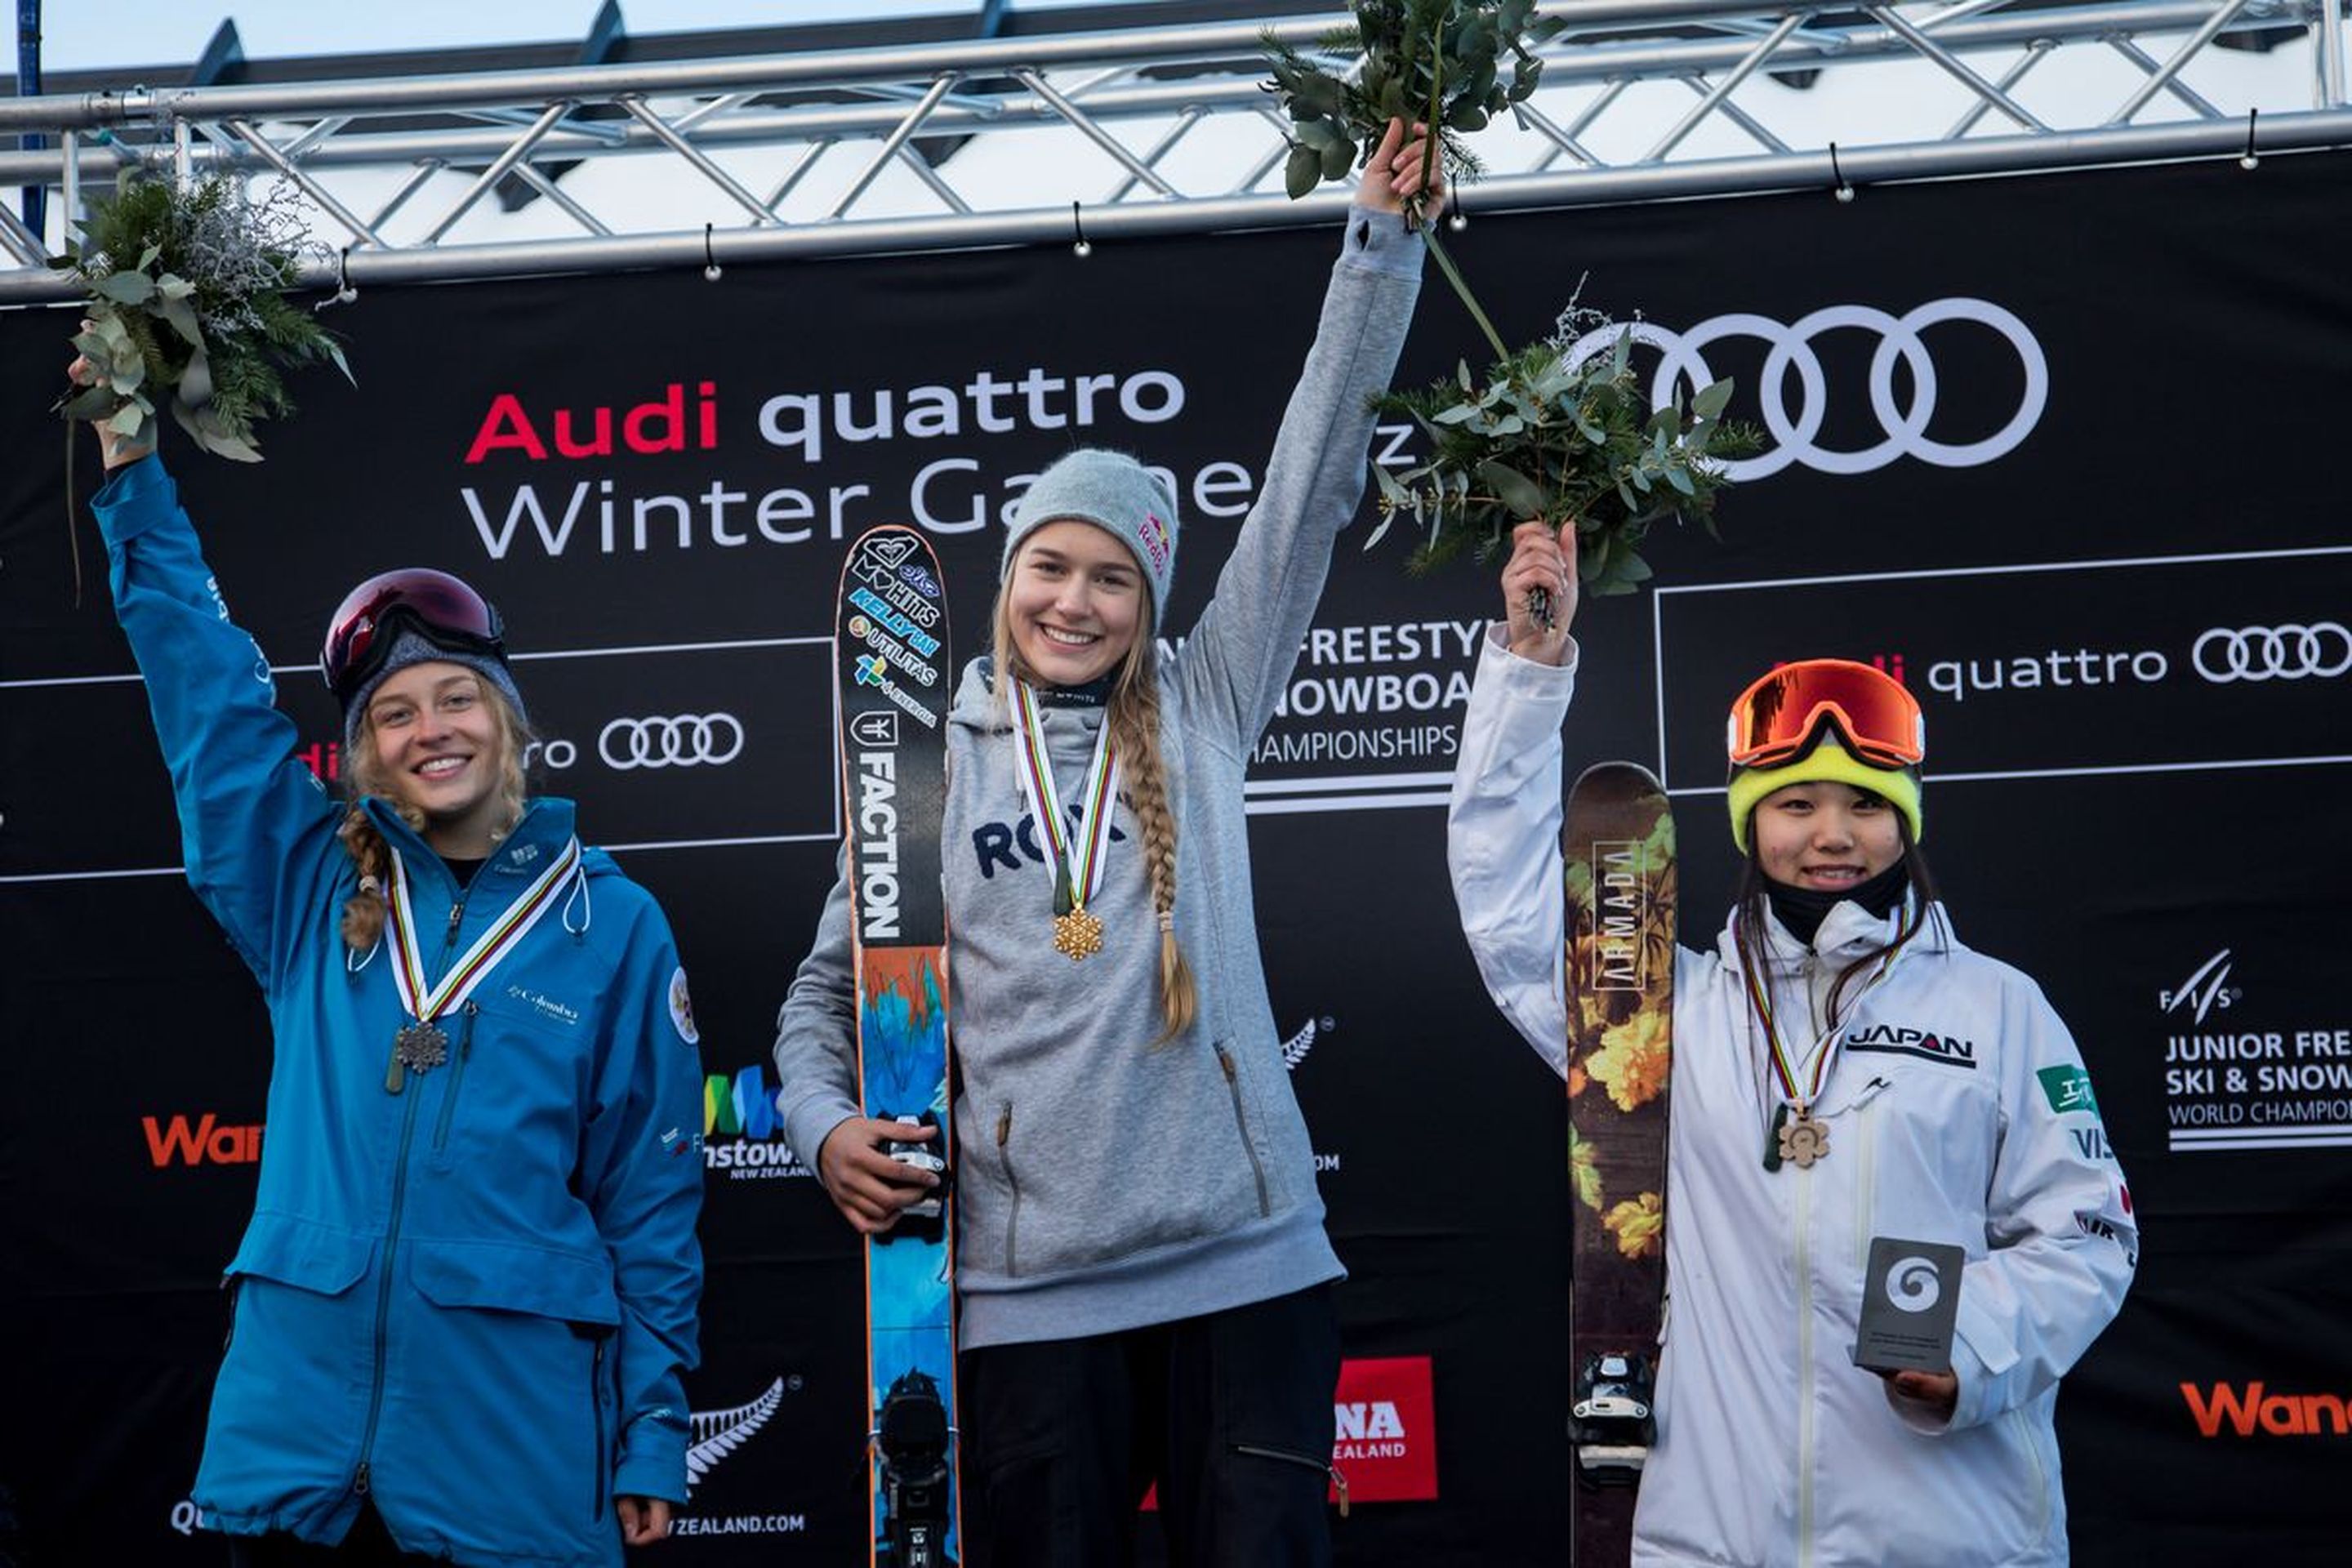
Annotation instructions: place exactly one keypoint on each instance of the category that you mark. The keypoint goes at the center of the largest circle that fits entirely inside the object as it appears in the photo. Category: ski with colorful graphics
(1618, 851)
(895, 684)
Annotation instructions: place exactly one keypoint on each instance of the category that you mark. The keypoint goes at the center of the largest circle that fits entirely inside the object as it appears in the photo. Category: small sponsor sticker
(2068, 1089)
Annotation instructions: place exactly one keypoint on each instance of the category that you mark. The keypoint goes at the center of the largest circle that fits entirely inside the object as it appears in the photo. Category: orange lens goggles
(1775, 720)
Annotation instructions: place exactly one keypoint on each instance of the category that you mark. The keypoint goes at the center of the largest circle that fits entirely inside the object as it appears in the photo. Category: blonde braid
(1134, 721)
(363, 911)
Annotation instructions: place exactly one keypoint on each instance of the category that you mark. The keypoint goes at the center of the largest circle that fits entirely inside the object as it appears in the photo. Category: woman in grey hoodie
(1143, 1275)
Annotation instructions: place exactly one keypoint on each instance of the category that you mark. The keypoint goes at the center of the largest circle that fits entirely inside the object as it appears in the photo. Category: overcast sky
(94, 35)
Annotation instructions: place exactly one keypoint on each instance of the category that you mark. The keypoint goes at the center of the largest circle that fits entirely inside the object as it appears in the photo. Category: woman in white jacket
(1843, 1069)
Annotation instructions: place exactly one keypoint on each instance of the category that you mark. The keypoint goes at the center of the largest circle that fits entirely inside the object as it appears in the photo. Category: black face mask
(1802, 910)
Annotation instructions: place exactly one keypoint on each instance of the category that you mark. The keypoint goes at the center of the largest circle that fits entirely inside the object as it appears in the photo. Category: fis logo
(1896, 1040)
(207, 1141)
(2204, 990)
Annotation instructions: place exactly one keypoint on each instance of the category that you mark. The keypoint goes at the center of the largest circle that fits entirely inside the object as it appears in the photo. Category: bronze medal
(1077, 935)
(1804, 1140)
(420, 1048)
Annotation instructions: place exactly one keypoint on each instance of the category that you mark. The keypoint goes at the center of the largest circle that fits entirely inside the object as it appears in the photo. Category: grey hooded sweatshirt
(1104, 1182)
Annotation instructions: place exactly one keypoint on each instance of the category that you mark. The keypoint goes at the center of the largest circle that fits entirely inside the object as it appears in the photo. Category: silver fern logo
(1295, 1050)
(719, 1433)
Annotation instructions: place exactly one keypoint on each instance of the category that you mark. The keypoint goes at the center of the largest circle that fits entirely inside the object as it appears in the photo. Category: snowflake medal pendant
(1802, 1139)
(419, 1048)
(1077, 935)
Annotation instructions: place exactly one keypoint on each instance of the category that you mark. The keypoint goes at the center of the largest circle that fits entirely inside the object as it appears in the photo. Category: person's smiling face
(1073, 602)
(1825, 837)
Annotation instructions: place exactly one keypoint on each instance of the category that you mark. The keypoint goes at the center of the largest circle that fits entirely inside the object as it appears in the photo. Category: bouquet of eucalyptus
(185, 296)
(1560, 429)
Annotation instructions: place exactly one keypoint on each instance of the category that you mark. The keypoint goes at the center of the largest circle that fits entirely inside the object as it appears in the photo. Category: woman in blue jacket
(467, 1292)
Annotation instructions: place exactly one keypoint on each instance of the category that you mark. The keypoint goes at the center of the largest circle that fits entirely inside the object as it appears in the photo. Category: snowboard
(1618, 861)
(895, 683)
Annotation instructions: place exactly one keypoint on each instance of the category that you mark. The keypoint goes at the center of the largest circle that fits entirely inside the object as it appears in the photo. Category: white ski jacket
(1957, 1111)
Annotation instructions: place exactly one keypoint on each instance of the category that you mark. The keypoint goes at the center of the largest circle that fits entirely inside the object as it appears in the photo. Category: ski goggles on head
(1777, 719)
(439, 607)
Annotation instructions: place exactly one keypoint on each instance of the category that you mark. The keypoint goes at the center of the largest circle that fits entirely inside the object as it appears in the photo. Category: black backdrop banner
(2057, 451)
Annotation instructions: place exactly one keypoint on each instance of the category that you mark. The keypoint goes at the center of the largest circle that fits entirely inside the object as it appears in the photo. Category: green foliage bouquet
(1561, 429)
(185, 296)
(1553, 430)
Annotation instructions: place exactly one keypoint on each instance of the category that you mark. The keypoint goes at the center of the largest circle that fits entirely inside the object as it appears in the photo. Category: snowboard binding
(1613, 1421)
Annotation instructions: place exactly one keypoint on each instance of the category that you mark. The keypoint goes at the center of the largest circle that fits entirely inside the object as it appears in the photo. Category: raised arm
(1502, 824)
(1246, 642)
(244, 803)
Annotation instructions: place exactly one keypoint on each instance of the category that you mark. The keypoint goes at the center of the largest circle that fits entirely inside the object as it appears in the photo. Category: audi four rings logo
(2290, 652)
(1790, 347)
(682, 741)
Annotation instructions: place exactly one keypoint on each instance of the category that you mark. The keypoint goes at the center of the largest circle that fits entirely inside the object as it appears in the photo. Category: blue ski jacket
(470, 1301)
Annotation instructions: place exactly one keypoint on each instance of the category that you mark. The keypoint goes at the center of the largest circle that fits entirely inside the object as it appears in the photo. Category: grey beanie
(1116, 494)
(413, 646)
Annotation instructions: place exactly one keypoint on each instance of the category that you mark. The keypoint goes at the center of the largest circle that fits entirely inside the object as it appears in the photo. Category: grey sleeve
(1235, 661)
(816, 1035)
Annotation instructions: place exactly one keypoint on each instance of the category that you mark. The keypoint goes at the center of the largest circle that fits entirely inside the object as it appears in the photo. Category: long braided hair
(363, 911)
(1133, 716)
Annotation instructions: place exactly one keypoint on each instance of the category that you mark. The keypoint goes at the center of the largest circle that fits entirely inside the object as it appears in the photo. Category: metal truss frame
(1116, 134)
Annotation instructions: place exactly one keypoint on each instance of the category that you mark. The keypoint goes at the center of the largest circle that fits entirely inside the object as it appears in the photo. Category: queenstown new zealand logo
(740, 1131)
(1895, 1039)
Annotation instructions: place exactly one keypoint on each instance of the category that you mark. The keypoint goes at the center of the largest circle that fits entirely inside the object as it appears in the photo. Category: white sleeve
(1502, 839)
(2058, 1220)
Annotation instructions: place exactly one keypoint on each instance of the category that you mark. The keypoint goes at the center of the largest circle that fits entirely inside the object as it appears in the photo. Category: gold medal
(1804, 1140)
(1077, 935)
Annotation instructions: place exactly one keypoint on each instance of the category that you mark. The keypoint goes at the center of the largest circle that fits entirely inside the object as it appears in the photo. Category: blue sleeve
(245, 803)
(643, 1162)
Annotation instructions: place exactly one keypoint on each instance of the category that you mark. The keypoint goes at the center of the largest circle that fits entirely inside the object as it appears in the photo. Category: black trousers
(1229, 1413)
(368, 1545)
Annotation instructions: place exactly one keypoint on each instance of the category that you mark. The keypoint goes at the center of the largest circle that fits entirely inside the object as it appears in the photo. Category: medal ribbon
(473, 965)
(1082, 876)
(1759, 996)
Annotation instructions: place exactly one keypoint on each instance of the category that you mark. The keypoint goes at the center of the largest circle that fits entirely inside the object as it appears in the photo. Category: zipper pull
(1340, 1480)
(1005, 1125)
(465, 1041)
(396, 1073)
(359, 1482)
(456, 913)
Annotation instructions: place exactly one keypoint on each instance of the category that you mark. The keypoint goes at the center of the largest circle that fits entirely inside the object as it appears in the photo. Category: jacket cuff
(135, 497)
(1981, 1351)
(654, 1467)
(1525, 680)
(1379, 242)
(808, 1123)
